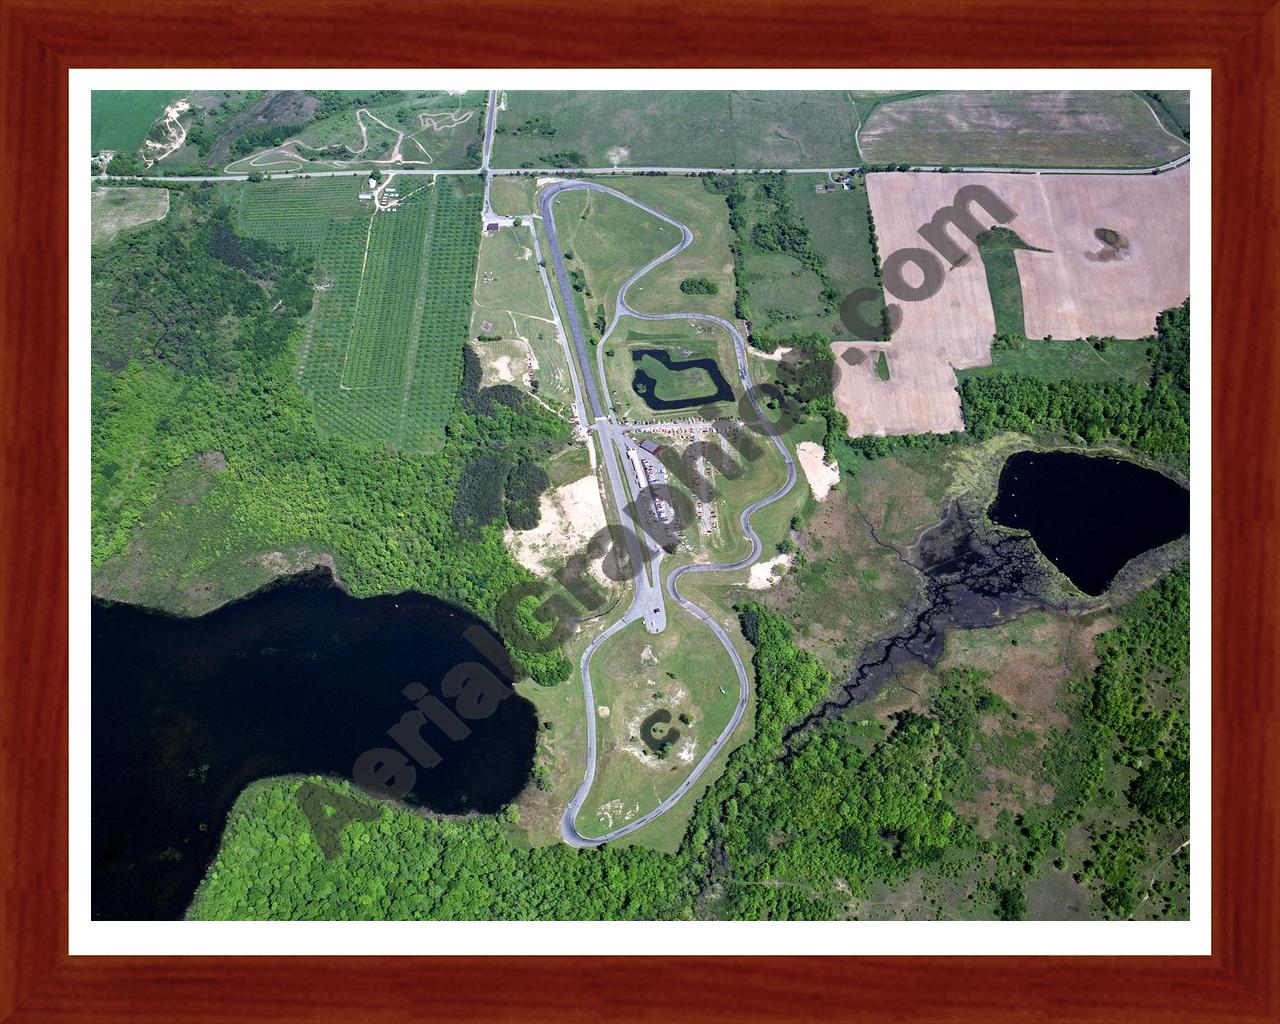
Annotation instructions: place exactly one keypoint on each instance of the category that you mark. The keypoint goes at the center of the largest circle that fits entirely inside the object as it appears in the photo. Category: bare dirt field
(570, 516)
(950, 330)
(821, 475)
(1082, 286)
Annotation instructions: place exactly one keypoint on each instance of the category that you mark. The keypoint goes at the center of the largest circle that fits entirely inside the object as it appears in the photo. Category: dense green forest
(796, 829)
(1154, 418)
(200, 432)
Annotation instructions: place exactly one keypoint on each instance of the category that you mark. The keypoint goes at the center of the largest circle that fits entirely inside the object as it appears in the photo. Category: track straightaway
(613, 441)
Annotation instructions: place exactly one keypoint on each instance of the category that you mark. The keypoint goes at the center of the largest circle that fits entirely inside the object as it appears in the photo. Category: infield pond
(300, 678)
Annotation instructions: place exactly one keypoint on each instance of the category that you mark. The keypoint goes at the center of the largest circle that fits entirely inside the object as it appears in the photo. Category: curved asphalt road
(612, 435)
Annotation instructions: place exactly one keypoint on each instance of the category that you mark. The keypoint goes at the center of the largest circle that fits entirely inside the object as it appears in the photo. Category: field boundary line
(355, 312)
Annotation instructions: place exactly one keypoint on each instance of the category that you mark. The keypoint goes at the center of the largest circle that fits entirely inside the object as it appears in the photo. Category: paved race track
(609, 437)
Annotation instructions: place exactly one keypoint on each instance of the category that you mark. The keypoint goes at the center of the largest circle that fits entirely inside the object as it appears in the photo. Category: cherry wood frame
(41, 39)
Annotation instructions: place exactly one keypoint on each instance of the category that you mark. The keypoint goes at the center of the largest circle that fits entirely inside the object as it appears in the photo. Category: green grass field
(121, 119)
(1018, 129)
(511, 300)
(1174, 107)
(677, 129)
(865, 103)
(512, 195)
(682, 670)
(1064, 360)
(785, 296)
(610, 240)
(839, 223)
(688, 201)
(381, 358)
(1004, 284)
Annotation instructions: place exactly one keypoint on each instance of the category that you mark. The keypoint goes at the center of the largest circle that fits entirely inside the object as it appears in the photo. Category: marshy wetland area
(1098, 529)
(909, 554)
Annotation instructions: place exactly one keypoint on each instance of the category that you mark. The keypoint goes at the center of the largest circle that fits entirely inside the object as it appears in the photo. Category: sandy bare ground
(570, 516)
(765, 574)
(175, 134)
(821, 475)
(776, 356)
(1065, 293)
(502, 367)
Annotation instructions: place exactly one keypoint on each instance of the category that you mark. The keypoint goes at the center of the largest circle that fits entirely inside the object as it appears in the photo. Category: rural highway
(613, 440)
(490, 172)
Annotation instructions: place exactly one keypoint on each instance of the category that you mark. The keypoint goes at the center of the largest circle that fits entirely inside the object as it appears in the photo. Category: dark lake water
(300, 678)
(646, 387)
(1088, 514)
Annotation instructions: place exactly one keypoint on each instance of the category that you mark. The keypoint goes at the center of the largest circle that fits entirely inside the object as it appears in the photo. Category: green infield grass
(708, 256)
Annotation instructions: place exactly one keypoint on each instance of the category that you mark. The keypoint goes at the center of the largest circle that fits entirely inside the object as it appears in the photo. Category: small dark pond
(300, 678)
(1089, 514)
(656, 732)
(646, 387)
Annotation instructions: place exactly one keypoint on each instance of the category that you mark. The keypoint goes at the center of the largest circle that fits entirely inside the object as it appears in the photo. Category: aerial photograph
(640, 505)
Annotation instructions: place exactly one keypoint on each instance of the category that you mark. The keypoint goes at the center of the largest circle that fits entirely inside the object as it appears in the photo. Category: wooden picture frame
(41, 39)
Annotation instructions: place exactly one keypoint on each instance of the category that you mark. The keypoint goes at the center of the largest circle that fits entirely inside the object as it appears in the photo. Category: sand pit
(570, 516)
(776, 356)
(502, 367)
(821, 475)
(1068, 292)
(766, 574)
